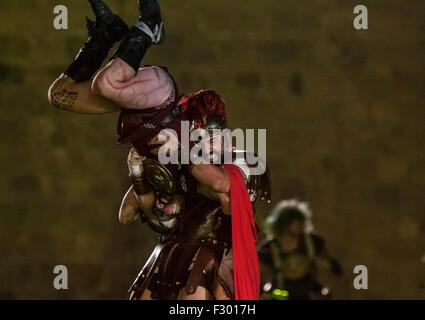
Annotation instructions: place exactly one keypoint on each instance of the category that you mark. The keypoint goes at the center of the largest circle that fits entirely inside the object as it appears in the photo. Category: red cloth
(246, 268)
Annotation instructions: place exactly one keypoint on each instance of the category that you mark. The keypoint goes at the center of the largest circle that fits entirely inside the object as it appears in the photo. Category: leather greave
(96, 48)
(133, 48)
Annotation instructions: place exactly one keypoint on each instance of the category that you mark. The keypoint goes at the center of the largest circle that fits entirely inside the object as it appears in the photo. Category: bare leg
(220, 293)
(200, 294)
(68, 95)
(146, 295)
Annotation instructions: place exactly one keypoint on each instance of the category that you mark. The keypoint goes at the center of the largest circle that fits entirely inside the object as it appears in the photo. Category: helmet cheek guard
(217, 126)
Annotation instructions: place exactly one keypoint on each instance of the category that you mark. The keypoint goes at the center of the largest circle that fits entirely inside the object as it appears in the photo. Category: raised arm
(211, 176)
(214, 183)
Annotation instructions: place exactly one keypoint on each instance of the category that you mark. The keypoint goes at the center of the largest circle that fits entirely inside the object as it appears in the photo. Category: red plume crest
(197, 105)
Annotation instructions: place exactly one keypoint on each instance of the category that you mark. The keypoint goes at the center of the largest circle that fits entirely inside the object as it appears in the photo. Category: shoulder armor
(257, 185)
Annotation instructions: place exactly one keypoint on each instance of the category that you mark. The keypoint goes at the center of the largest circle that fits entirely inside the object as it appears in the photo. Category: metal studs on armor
(183, 183)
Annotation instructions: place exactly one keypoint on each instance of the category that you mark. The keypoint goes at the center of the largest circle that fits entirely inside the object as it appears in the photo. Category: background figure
(291, 254)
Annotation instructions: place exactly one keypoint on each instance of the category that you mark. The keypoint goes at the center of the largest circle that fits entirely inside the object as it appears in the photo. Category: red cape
(244, 235)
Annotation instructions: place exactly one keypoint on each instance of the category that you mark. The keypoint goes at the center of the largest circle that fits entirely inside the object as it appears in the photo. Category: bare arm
(222, 197)
(210, 175)
(334, 265)
(129, 207)
(214, 177)
(117, 81)
(68, 95)
(214, 184)
(132, 203)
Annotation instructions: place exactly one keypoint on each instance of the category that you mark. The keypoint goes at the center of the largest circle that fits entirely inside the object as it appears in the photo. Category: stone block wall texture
(344, 112)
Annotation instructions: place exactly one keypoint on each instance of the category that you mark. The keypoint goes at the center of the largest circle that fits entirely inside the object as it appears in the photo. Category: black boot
(103, 33)
(148, 29)
(150, 15)
(102, 12)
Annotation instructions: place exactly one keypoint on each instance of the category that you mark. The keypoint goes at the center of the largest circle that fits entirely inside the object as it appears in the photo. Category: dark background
(344, 110)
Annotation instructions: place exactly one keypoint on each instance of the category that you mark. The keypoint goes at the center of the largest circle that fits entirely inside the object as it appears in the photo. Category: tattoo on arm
(64, 99)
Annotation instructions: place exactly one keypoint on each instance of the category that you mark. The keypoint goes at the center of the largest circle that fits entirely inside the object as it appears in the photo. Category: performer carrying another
(201, 253)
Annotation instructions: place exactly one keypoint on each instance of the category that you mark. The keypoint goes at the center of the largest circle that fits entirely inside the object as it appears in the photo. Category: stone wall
(344, 111)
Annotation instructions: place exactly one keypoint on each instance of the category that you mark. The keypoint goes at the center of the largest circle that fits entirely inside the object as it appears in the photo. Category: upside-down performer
(202, 212)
